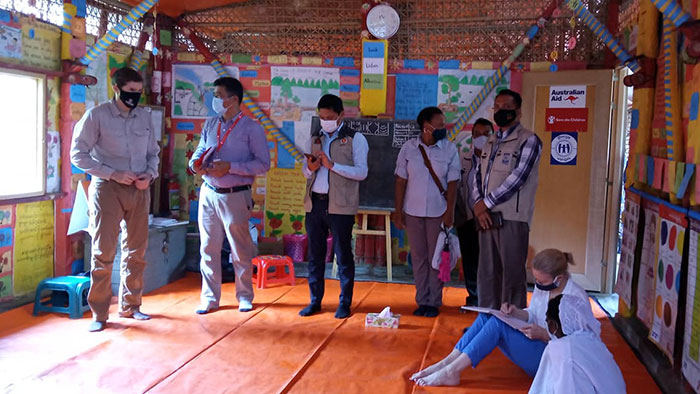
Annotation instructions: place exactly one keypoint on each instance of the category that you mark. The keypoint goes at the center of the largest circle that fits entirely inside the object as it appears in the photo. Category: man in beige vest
(465, 222)
(334, 169)
(505, 188)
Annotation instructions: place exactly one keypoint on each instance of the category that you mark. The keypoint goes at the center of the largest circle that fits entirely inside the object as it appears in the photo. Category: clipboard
(204, 158)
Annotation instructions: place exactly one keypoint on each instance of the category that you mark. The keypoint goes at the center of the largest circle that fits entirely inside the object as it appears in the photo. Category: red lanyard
(219, 141)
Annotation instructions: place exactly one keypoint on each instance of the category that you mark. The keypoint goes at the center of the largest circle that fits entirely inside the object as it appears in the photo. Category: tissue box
(373, 320)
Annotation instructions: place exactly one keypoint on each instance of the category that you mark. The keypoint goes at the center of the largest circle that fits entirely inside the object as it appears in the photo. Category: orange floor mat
(269, 350)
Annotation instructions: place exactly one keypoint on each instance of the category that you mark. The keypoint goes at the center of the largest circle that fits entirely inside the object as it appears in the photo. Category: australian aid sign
(567, 96)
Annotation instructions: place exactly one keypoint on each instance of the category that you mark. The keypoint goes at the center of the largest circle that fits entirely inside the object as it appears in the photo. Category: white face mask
(479, 142)
(217, 104)
(329, 126)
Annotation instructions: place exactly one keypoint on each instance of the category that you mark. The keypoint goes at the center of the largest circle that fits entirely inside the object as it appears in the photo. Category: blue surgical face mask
(217, 104)
(549, 287)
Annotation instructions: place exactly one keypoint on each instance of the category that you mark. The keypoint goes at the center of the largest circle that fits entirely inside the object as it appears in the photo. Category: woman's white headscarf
(576, 316)
(578, 362)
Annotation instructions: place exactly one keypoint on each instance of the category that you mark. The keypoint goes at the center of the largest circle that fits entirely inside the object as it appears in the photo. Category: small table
(363, 230)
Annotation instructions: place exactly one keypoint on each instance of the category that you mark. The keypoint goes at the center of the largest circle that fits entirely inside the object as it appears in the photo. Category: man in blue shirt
(231, 152)
(334, 169)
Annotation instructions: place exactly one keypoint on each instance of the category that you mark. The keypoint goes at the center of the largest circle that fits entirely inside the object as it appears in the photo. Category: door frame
(606, 233)
(616, 161)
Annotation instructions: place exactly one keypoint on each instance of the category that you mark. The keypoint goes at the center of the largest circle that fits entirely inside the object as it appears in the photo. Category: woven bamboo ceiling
(470, 30)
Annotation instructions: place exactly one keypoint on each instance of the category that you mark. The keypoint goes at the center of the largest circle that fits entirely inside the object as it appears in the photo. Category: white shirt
(423, 197)
(357, 171)
(537, 311)
(576, 364)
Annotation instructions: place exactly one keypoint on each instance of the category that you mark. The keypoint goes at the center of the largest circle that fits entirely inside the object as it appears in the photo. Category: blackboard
(385, 138)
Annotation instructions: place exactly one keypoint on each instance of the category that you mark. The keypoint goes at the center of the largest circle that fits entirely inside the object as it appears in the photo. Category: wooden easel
(363, 230)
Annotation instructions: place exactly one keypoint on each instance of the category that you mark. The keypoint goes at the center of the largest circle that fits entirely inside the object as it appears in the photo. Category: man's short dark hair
(232, 86)
(515, 95)
(332, 102)
(484, 122)
(125, 75)
(427, 114)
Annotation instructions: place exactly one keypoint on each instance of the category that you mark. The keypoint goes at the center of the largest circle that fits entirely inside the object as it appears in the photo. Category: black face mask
(439, 134)
(548, 287)
(130, 99)
(504, 117)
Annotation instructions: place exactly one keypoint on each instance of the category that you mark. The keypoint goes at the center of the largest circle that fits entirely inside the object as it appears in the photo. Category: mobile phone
(309, 156)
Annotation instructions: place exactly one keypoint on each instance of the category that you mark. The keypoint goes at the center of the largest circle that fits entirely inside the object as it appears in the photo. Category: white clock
(383, 21)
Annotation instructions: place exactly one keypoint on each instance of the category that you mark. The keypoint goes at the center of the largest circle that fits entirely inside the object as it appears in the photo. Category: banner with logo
(567, 96)
(566, 119)
(564, 149)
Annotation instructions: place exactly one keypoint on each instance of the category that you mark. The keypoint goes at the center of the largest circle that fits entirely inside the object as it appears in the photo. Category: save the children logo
(567, 96)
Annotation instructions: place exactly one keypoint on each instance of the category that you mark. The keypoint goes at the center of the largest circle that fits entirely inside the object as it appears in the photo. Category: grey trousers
(108, 203)
(225, 215)
(422, 237)
(502, 275)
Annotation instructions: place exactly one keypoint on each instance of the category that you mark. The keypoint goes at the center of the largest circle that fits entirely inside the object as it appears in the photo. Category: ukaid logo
(564, 149)
(567, 96)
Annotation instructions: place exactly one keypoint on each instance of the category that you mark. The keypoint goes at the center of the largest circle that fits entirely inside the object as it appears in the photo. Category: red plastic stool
(263, 278)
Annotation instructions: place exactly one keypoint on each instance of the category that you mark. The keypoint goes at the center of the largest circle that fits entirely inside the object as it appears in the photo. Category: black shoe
(342, 312)
(432, 311)
(421, 310)
(310, 310)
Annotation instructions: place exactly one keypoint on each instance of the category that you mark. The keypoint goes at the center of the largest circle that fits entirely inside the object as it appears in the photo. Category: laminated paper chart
(630, 221)
(668, 278)
(691, 336)
(645, 284)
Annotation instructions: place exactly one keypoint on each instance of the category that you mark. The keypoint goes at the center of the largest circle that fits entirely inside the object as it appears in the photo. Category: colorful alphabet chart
(691, 334)
(668, 278)
(630, 222)
(647, 262)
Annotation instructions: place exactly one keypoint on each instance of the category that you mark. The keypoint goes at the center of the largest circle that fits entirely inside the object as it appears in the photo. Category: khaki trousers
(109, 203)
(422, 238)
(219, 216)
(502, 275)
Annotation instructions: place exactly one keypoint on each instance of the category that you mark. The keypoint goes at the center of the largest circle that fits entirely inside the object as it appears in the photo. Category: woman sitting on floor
(576, 360)
(524, 347)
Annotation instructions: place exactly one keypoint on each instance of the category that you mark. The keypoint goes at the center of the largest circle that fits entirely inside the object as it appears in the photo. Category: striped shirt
(530, 152)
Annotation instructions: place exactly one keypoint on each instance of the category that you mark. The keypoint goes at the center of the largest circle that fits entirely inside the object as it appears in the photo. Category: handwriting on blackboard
(376, 128)
(404, 132)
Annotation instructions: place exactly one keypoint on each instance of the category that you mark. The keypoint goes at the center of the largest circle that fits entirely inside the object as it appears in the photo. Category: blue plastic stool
(74, 286)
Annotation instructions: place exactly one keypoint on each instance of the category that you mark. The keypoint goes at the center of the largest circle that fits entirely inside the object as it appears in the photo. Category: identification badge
(505, 159)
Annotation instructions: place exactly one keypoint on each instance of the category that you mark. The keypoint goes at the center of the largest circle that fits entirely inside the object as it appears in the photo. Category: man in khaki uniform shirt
(116, 144)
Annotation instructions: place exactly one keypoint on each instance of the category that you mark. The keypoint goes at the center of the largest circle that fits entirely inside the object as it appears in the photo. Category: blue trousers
(489, 332)
(318, 222)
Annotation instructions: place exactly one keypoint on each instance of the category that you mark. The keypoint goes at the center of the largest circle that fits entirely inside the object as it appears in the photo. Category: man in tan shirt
(115, 143)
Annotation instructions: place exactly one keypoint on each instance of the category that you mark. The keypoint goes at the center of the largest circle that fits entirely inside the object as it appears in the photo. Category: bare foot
(428, 371)
(443, 377)
(437, 366)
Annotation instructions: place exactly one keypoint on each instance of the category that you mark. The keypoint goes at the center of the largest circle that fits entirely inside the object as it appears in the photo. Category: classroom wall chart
(645, 285)
(193, 89)
(673, 225)
(691, 334)
(458, 88)
(630, 221)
